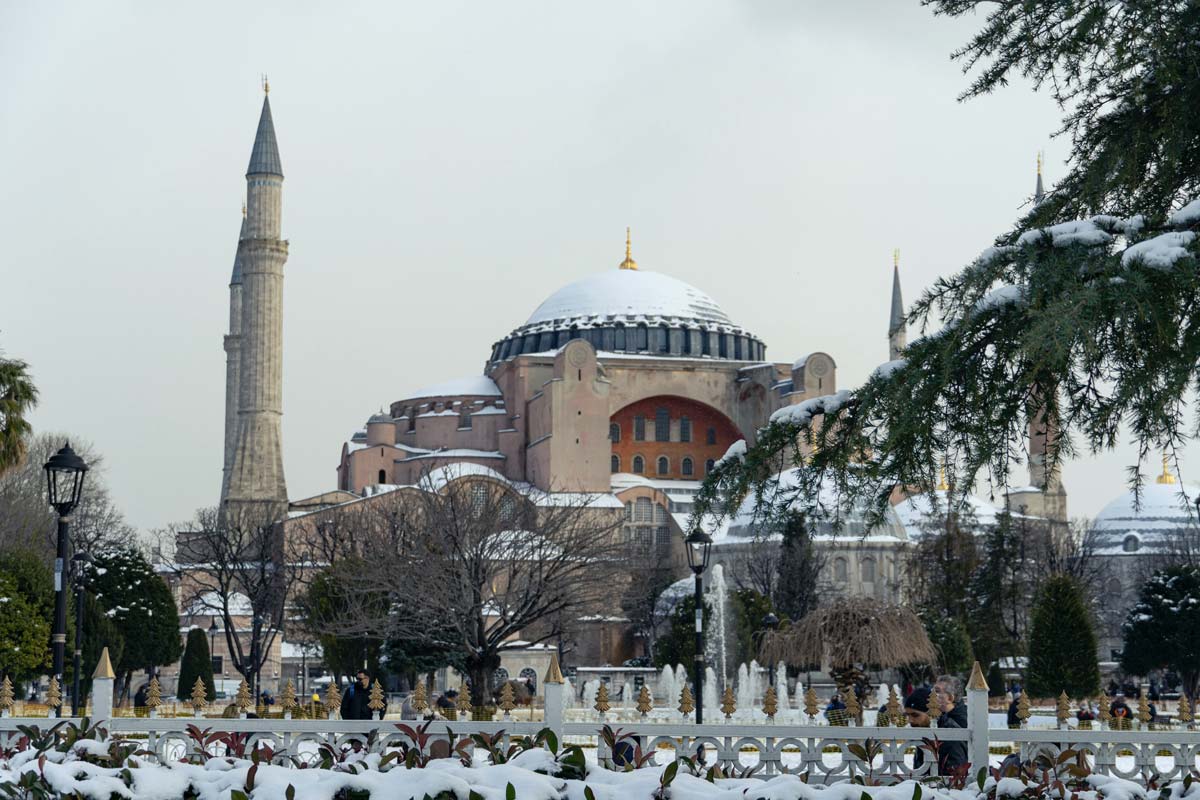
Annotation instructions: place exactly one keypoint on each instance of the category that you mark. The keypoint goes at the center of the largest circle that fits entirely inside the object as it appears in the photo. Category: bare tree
(471, 563)
(233, 565)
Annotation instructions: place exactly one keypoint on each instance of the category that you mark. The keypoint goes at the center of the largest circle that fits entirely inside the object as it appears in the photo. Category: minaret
(233, 358)
(256, 472)
(1039, 193)
(897, 328)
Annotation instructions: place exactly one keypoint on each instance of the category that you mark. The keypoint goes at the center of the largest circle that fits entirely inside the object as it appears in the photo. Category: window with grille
(464, 420)
(479, 498)
(629, 511)
(662, 542)
(686, 467)
(685, 429)
(664, 466)
(639, 429)
(614, 432)
(662, 425)
(644, 510)
(710, 436)
(868, 570)
(639, 465)
(660, 514)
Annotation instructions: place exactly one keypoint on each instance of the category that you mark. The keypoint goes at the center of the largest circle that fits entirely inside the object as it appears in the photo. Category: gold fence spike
(810, 702)
(977, 682)
(645, 703)
(53, 693)
(243, 700)
(1062, 708)
(1143, 710)
(287, 698)
(333, 698)
(853, 709)
(686, 704)
(770, 703)
(507, 697)
(895, 715)
(728, 702)
(375, 699)
(154, 693)
(554, 671)
(420, 701)
(602, 699)
(1023, 707)
(199, 695)
(7, 697)
(463, 702)
(1185, 709)
(1105, 710)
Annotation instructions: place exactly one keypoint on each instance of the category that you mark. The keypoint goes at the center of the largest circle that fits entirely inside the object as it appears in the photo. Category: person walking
(357, 698)
(950, 755)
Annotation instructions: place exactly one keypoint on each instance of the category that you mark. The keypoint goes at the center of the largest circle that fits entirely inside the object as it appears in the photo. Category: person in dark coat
(951, 755)
(357, 697)
(1014, 721)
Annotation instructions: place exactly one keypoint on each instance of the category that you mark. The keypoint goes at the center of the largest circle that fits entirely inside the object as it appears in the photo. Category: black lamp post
(699, 546)
(770, 623)
(78, 564)
(212, 642)
(64, 484)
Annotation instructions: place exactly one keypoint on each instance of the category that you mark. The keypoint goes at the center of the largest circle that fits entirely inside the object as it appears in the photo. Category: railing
(826, 753)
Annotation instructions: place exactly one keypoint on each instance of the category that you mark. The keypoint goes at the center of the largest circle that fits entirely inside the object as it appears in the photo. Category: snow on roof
(487, 410)
(209, 603)
(628, 480)
(475, 385)
(628, 292)
(917, 511)
(1166, 510)
(457, 453)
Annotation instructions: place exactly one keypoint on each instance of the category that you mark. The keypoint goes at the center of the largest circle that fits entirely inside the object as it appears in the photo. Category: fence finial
(853, 709)
(104, 667)
(7, 697)
(287, 698)
(728, 702)
(686, 704)
(554, 671)
(1105, 714)
(645, 703)
(770, 703)
(977, 682)
(810, 703)
(1143, 710)
(199, 695)
(1185, 709)
(602, 705)
(462, 703)
(333, 698)
(1062, 708)
(53, 695)
(375, 699)
(1023, 708)
(419, 700)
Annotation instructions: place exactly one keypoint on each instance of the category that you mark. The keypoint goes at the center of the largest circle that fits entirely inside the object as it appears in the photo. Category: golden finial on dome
(1166, 476)
(1041, 158)
(942, 485)
(628, 263)
(266, 84)
(896, 258)
(243, 208)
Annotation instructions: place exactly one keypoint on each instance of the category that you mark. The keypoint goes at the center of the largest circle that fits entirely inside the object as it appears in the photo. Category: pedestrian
(835, 712)
(1120, 713)
(1014, 720)
(141, 695)
(950, 755)
(949, 690)
(357, 698)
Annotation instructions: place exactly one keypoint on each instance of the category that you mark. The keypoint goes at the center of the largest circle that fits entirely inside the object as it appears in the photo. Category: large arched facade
(669, 437)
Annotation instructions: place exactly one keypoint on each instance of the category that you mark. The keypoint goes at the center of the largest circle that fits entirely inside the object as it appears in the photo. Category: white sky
(449, 165)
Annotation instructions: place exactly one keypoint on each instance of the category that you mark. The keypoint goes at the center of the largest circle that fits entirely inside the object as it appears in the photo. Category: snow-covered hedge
(73, 763)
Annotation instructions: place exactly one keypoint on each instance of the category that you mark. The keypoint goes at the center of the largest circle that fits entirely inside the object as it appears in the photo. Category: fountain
(712, 700)
(681, 680)
(745, 686)
(568, 693)
(716, 651)
(781, 691)
(589, 693)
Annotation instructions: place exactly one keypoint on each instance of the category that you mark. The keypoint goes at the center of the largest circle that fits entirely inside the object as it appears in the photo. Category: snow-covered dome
(633, 311)
(919, 513)
(744, 524)
(1166, 509)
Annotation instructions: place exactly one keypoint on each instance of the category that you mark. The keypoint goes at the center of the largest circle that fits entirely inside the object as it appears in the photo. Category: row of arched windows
(662, 429)
(866, 568)
(687, 467)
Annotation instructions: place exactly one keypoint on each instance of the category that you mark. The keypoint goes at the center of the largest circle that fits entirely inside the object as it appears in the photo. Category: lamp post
(699, 546)
(64, 484)
(78, 563)
(212, 643)
(770, 623)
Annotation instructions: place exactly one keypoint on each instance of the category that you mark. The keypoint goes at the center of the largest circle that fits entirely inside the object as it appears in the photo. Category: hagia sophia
(627, 385)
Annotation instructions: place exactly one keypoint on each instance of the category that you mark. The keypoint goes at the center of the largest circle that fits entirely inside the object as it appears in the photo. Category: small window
(662, 542)
(686, 467)
(664, 466)
(639, 465)
(619, 339)
(710, 436)
(664, 339)
(685, 429)
(645, 510)
(868, 570)
(614, 432)
(708, 466)
(615, 463)
(464, 421)
(639, 429)
(218, 663)
(840, 572)
(641, 343)
(479, 498)
(660, 514)
(1130, 544)
(629, 511)
(662, 425)
(382, 476)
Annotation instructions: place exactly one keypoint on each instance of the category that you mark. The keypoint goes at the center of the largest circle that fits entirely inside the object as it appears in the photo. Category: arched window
(868, 570)
(685, 429)
(708, 466)
(529, 678)
(639, 429)
(664, 466)
(710, 436)
(479, 498)
(641, 343)
(619, 338)
(615, 463)
(639, 465)
(382, 476)
(1131, 543)
(664, 339)
(686, 467)
(614, 432)
(499, 677)
(662, 425)
(841, 573)
(464, 420)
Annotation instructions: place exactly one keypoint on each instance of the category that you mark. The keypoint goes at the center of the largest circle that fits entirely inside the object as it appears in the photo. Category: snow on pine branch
(1160, 252)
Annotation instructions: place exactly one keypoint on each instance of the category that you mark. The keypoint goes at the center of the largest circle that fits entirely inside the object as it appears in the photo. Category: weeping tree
(1078, 323)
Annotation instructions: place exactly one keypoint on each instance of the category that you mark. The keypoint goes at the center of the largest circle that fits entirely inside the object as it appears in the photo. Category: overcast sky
(448, 165)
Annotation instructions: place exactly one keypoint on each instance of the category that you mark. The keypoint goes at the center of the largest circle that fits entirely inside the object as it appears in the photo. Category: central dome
(628, 293)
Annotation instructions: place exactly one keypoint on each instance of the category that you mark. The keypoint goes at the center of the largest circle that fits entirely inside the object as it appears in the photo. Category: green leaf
(510, 792)
(669, 773)
(917, 792)
(588, 794)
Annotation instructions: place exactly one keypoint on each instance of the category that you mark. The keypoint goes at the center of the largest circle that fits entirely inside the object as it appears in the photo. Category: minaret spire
(1039, 193)
(256, 466)
(233, 359)
(897, 327)
(628, 263)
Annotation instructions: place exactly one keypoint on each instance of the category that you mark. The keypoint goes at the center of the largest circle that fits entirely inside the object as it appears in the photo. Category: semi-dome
(1151, 523)
(629, 310)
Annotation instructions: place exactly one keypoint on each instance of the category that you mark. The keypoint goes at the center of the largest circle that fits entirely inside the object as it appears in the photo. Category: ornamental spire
(628, 263)
(264, 157)
(1166, 477)
(897, 335)
(1039, 192)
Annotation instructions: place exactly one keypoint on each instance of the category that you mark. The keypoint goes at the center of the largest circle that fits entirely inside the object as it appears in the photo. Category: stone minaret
(897, 328)
(256, 470)
(233, 360)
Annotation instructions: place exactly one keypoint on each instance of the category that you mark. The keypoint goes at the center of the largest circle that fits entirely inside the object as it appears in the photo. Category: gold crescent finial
(896, 258)
(1041, 157)
(1166, 476)
(266, 84)
(628, 263)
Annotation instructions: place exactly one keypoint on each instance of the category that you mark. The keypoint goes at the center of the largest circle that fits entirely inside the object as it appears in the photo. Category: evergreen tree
(24, 634)
(1062, 643)
(678, 645)
(949, 637)
(196, 663)
(749, 608)
(799, 568)
(99, 632)
(1162, 630)
(142, 609)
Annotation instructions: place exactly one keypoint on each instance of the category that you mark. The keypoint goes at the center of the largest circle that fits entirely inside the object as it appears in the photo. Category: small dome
(819, 517)
(380, 417)
(1166, 510)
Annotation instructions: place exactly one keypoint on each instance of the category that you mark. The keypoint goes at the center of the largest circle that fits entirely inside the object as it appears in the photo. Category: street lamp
(699, 546)
(770, 623)
(212, 642)
(64, 484)
(78, 564)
